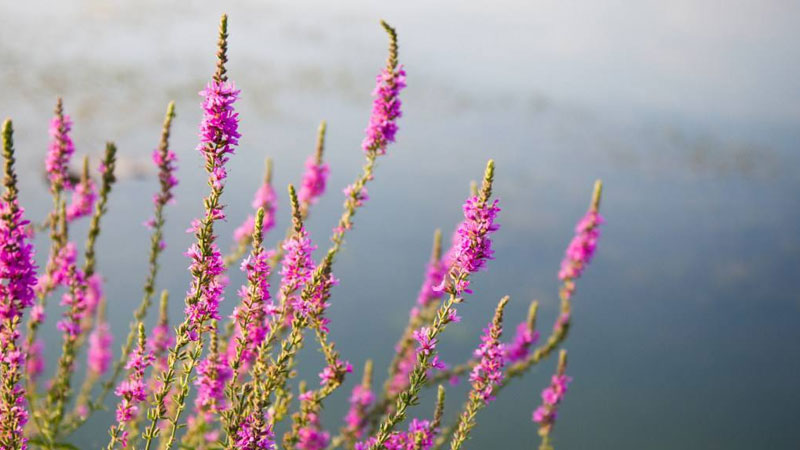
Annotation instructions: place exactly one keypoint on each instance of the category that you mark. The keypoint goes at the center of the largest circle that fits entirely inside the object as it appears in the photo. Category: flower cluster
(312, 436)
(297, 267)
(582, 247)
(132, 391)
(314, 180)
(520, 347)
(385, 110)
(488, 373)
(213, 372)
(420, 436)
(100, 349)
(166, 161)
(212, 267)
(545, 414)
(17, 267)
(474, 246)
(360, 400)
(264, 198)
(219, 129)
(75, 299)
(255, 435)
(256, 307)
(60, 151)
(83, 198)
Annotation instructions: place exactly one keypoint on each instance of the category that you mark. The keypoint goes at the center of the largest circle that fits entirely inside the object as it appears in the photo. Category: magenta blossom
(212, 374)
(255, 436)
(582, 247)
(520, 347)
(166, 161)
(83, 198)
(385, 110)
(100, 349)
(207, 305)
(545, 415)
(311, 436)
(360, 400)
(420, 436)
(132, 390)
(59, 152)
(314, 180)
(219, 129)
(488, 373)
(264, 198)
(297, 267)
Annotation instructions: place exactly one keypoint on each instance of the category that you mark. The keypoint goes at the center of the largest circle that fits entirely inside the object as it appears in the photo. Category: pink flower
(545, 415)
(100, 349)
(59, 152)
(132, 390)
(520, 347)
(264, 198)
(311, 436)
(426, 343)
(360, 400)
(420, 436)
(385, 110)
(582, 247)
(212, 374)
(488, 373)
(314, 180)
(255, 435)
(83, 198)
(34, 366)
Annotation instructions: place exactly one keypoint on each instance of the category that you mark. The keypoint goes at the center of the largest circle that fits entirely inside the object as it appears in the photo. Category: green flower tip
(488, 179)
(596, 194)
(297, 218)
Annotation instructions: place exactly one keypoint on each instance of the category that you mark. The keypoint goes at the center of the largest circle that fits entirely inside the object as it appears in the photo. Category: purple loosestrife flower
(314, 179)
(385, 109)
(255, 435)
(83, 199)
(219, 129)
(434, 275)
(218, 136)
(332, 373)
(485, 376)
(420, 436)
(525, 337)
(35, 364)
(520, 347)
(75, 299)
(264, 198)
(545, 415)
(207, 305)
(212, 374)
(297, 267)
(60, 151)
(131, 391)
(488, 373)
(360, 400)
(474, 246)
(582, 247)
(311, 436)
(166, 161)
(100, 349)
(256, 307)
(94, 293)
(17, 280)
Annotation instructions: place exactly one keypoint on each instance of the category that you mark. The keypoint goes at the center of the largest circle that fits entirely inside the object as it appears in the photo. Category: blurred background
(685, 326)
